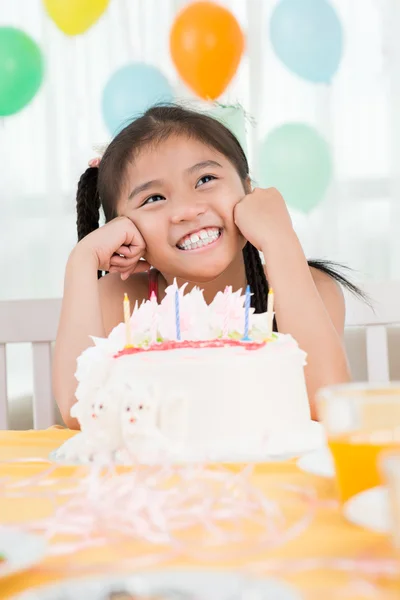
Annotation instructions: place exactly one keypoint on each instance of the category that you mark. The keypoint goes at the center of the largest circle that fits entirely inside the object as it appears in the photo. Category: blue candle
(177, 316)
(247, 314)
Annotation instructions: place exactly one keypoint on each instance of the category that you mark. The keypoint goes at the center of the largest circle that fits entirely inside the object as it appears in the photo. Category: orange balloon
(206, 44)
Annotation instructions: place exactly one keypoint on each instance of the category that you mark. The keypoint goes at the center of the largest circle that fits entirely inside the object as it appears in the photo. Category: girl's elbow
(69, 421)
(64, 404)
(342, 376)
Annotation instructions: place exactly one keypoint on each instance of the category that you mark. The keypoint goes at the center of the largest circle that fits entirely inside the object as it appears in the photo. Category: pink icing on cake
(185, 344)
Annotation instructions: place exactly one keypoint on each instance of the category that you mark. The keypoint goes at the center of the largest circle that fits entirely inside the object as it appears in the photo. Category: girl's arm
(81, 317)
(308, 304)
(91, 307)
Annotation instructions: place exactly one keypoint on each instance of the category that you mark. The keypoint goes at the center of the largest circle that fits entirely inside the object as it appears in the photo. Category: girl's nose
(187, 209)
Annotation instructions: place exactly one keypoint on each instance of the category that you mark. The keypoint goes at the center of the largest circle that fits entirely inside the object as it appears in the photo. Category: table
(327, 537)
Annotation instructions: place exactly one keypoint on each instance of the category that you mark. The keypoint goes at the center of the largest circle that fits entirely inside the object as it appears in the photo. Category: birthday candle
(177, 316)
(227, 293)
(270, 313)
(247, 313)
(127, 316)
(153, 329)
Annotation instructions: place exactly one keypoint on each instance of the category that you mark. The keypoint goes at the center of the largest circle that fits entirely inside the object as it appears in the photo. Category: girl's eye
(153, 199)
(128, 408)
(204, 179)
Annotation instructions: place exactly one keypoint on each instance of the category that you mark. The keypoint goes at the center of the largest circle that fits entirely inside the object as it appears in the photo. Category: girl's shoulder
(112, 289)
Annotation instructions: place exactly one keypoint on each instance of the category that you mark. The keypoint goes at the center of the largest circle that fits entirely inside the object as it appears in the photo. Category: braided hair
(88, 205)
(256, 279)
(99, 187)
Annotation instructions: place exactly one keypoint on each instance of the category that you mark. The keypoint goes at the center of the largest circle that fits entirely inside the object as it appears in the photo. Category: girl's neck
(234, 275)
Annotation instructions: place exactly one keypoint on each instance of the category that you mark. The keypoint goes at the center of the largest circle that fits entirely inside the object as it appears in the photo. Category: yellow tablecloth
(329, 535)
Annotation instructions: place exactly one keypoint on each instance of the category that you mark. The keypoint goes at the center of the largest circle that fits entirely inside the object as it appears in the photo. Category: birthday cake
(183, 380)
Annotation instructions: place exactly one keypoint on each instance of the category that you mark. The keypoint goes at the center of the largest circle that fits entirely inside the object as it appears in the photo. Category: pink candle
(153, 327)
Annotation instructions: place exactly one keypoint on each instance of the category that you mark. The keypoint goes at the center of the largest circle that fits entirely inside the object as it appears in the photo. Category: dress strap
(153, 283)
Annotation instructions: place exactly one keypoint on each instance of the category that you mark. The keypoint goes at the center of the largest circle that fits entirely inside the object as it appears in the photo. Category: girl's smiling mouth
(199, 239)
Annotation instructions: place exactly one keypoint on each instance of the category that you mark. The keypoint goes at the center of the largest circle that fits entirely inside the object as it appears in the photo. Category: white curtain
(45, 147)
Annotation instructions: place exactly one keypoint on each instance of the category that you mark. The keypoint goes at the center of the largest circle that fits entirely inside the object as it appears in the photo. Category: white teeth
(199, 239)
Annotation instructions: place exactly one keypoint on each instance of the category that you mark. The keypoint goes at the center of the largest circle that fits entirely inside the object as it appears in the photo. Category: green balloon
(21, 70)
(296, 160)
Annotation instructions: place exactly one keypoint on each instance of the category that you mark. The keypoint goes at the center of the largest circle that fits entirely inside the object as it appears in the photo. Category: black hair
(98, 187)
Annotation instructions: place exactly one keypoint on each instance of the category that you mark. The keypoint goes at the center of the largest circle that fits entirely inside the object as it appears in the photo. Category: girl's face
(180, 194)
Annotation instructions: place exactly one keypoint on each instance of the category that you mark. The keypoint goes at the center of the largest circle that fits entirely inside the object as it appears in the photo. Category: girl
(176, 193)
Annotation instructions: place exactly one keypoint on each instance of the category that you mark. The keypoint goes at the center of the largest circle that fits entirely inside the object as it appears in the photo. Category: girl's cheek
(143, 227)
(226, 208)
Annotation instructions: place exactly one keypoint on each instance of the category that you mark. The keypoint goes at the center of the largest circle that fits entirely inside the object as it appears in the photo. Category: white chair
(369, 335)
(33, 321)
(372, 335)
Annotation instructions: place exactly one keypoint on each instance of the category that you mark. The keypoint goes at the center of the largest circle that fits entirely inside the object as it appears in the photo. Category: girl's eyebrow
(158, 182)
(202, 165)
(145, 186)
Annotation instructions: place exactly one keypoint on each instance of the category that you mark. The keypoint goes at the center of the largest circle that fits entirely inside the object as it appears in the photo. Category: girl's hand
(261, 215)
(118, 247)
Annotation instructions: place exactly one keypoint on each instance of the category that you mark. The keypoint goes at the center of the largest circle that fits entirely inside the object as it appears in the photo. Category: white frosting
(187, 402)
(198, 321)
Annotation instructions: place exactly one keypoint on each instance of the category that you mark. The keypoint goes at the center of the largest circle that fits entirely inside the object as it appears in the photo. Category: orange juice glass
(361, 422)
(390, 467)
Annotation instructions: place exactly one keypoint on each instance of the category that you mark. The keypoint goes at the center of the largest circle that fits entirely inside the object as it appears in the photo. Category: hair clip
(94, 162)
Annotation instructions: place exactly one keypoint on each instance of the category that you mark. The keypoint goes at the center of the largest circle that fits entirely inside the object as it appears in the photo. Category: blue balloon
(307, 36)
(130, 92)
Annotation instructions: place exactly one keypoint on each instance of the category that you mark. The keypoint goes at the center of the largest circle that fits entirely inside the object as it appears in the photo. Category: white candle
(127, 317)
(227, 298)
(270, 313)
